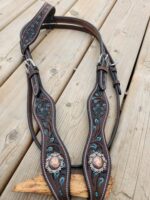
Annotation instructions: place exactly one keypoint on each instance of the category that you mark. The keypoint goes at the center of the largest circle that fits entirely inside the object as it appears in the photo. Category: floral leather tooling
(55, 160)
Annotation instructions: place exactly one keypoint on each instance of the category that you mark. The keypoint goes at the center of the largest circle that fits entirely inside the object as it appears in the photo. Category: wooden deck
(67, 61)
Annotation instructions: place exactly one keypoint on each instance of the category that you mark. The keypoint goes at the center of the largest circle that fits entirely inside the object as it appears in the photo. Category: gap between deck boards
(130, 153)
(89, 45)
(5, 19)
(134, 68)
(17, 57)
(66, 10)
(29, 146)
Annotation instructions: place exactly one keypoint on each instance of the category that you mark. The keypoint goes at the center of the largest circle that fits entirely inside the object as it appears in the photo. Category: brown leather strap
(55, 161)
(102, 68)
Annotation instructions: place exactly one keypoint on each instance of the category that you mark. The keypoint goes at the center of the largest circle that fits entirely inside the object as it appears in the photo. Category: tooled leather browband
(55, 160)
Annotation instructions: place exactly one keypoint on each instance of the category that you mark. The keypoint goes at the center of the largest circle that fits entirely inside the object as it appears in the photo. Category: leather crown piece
(55, 160)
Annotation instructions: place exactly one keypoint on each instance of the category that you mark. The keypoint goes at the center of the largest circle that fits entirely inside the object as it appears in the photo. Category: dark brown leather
(31, 30)
(55, 160)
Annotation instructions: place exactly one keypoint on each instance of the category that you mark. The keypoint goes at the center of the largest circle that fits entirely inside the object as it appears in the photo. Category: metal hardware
(106, 58)
(108, 61)
(29, 61)
(101, 56)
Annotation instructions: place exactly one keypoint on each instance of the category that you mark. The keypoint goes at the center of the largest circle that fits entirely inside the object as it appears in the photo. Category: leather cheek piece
(96, 158)
(55, 160)
(31, 30)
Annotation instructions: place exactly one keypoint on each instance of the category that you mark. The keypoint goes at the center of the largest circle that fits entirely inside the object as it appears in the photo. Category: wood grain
(131, 151)
(56, 70)
(10, 55)
(123, 32)
(71, 108)
(14, 126)
(10, 9)
(77, 186)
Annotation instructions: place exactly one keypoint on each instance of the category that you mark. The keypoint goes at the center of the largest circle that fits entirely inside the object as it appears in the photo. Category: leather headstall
(55, 160)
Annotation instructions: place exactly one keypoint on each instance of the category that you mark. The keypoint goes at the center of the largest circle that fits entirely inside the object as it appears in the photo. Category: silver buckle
(106, 58)
(108, 61)
(29, 61)
(100, 57)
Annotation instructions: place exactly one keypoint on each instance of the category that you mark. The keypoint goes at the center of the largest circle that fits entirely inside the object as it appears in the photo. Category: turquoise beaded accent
(56, 175)
(96, 121)
(96, 194)
(51, 139)
(95, 173)
(100, 181)
(94, 146)
(94, 128)
(60, 192)
(45, 132)
(98, 138)
(50, 149)
(62, 180)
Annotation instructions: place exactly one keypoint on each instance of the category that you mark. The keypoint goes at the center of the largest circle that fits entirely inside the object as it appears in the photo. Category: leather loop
(33, 76)
(116, 82)
(103, 68)
(33, 72)
(101, 79)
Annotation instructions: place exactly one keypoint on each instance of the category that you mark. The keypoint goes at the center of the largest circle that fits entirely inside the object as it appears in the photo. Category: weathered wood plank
(120, 14)
(131, 152)
(72, 117)
(10, 55)
(56, 70)
(10, 9)
(12, 137)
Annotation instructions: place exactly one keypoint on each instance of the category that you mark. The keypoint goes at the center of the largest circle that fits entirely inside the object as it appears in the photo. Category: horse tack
(55, 160)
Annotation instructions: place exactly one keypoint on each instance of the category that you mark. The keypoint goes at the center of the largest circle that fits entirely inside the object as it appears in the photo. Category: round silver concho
(97, 162)
(54, 163)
